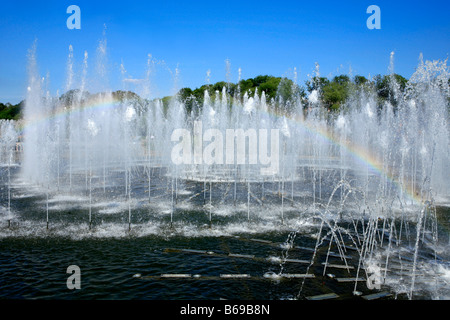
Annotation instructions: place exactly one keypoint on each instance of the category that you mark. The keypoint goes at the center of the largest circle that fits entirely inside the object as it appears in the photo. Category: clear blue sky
(261, 37)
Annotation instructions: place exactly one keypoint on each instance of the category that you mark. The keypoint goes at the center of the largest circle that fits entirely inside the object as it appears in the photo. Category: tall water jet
(368, 176)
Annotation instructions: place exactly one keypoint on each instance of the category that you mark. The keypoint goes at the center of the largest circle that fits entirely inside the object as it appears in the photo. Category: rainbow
(357, 152)
(360, 154)
(102, 103)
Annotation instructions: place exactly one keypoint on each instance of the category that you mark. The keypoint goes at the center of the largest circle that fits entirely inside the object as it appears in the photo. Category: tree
(316, 83)
(336, 91)
(334, 94)
(246, 85)
(384, 84)
(360, 80)
(271, 86)
(342, 80)
(11, 112)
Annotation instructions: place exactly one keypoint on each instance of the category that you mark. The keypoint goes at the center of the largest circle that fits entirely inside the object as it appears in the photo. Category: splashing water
(370, 177)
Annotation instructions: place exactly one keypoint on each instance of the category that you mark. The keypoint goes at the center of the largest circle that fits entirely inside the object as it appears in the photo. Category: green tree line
(333, 92)
(279, 90)
(11, 111)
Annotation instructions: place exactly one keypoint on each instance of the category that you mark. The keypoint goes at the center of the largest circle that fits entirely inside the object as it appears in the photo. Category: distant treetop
(278, 90)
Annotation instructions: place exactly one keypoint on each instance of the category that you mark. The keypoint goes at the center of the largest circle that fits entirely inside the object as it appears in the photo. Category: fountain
(368, 182)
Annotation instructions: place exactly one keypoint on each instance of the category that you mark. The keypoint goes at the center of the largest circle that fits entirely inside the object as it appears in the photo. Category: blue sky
(260, 37)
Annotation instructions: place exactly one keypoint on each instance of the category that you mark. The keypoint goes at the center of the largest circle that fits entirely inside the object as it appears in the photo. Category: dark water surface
(118, 261)
(36, 268)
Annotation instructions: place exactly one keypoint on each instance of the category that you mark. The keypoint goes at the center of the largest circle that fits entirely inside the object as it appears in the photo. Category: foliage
(384, 84)
(316, 83)
(11, 112)
(281, 93)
